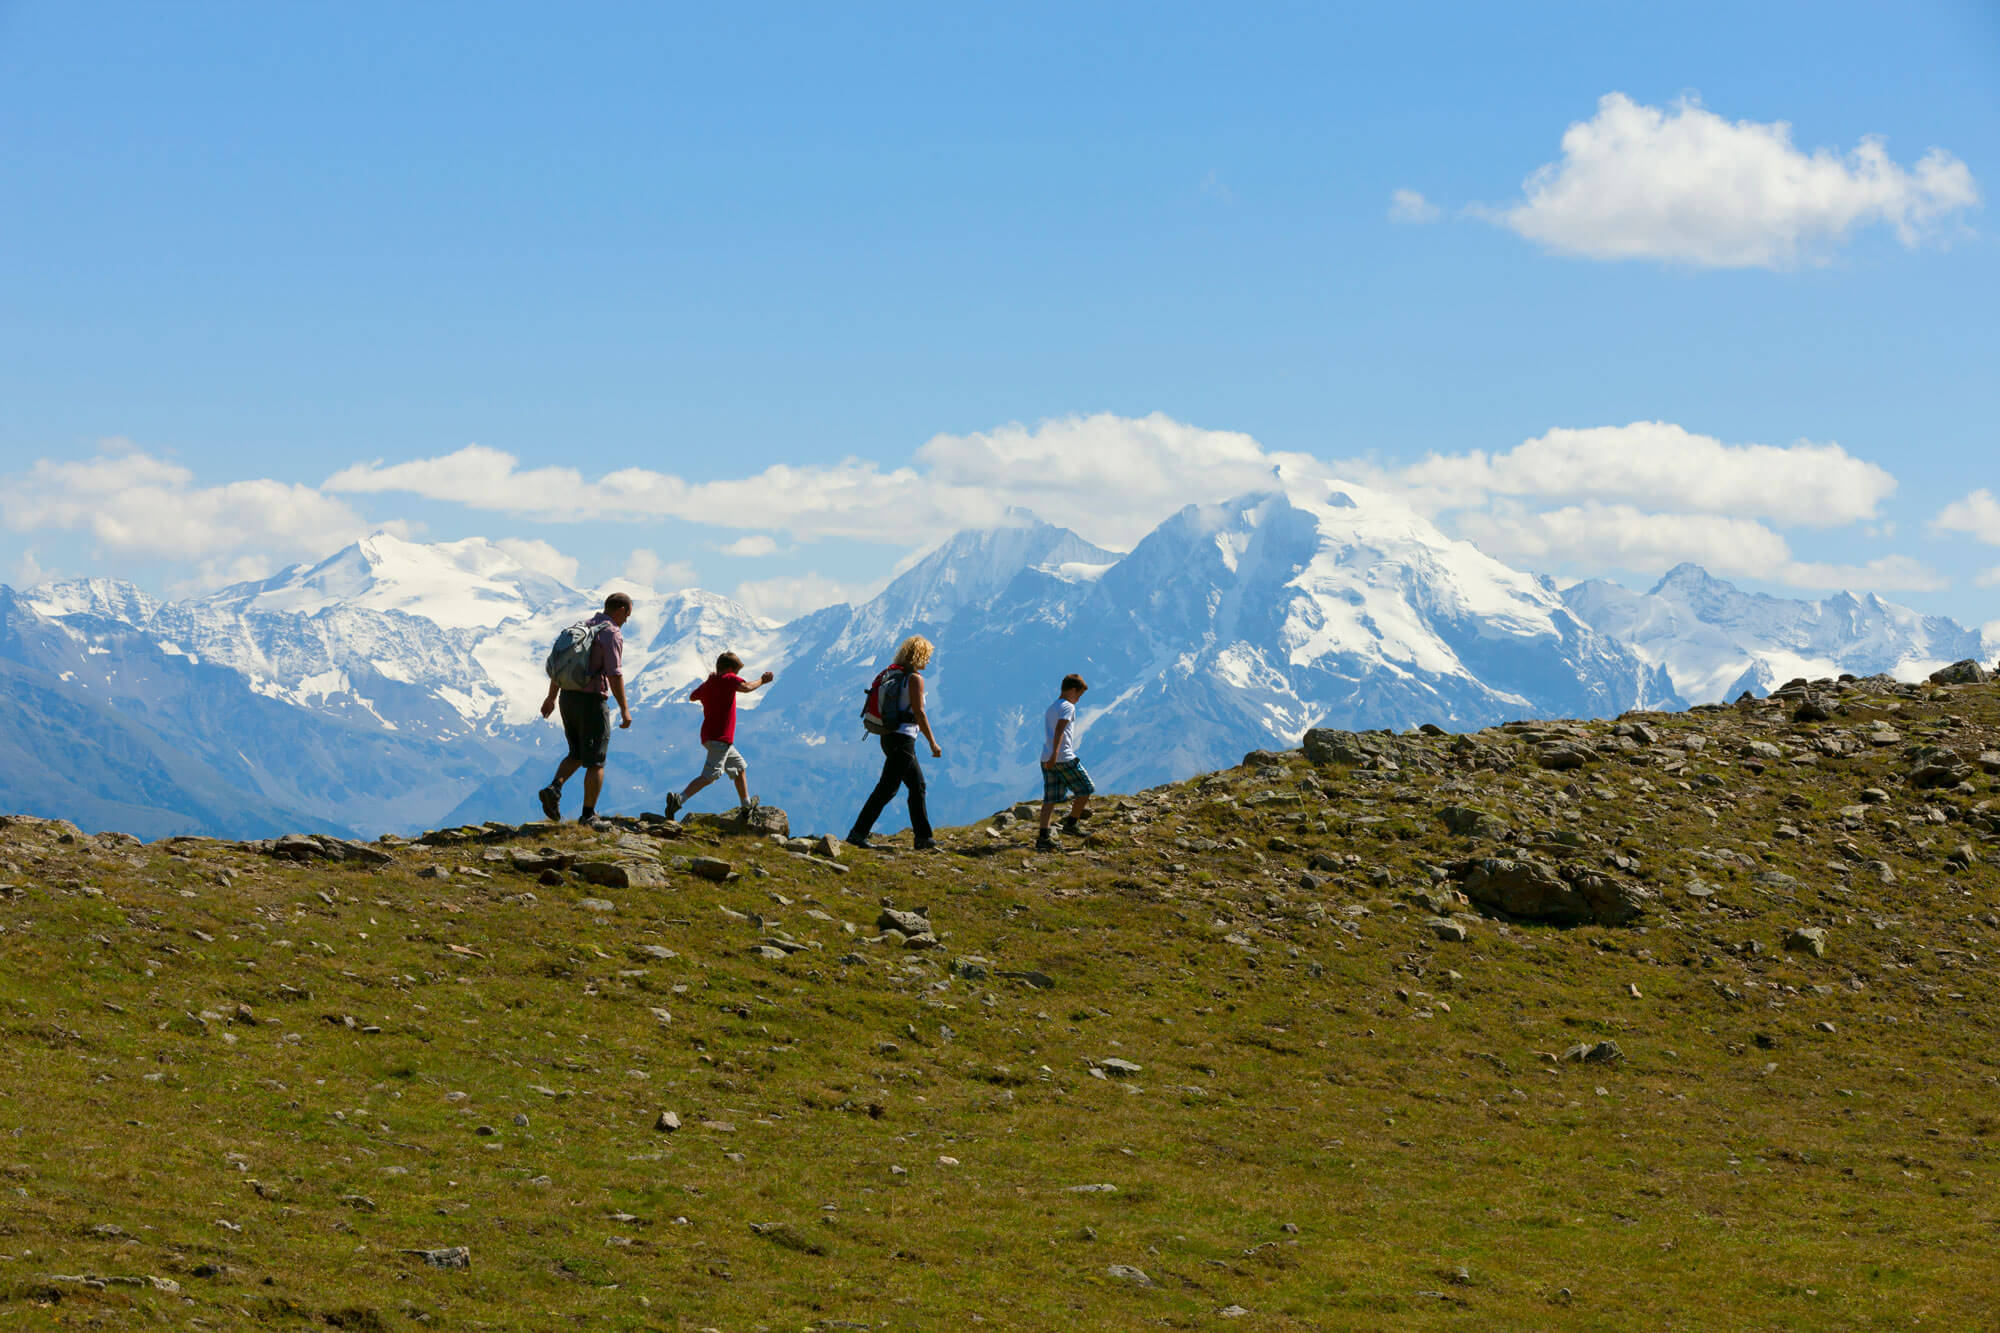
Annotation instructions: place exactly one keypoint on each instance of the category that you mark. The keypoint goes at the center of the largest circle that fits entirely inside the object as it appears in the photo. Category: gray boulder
(1325, 746)
(1537, 891)
(759, 821)
(1470, 822)
(1967, 672)
(1560, 755)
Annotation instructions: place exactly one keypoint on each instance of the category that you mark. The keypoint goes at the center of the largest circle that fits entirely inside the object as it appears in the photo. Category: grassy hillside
(1227, 1064)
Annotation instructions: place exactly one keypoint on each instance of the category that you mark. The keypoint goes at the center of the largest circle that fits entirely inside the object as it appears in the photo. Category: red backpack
(883, 700)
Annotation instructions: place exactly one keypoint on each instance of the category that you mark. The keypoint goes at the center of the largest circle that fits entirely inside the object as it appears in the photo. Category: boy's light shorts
(723, 758)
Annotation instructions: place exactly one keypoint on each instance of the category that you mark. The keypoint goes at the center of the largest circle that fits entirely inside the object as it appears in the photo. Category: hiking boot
(674, 803)
(924, 845)
(752, 803)
(551, 804)
(1045, 842)
(1072, 826)
(860, 840)
(595, 823)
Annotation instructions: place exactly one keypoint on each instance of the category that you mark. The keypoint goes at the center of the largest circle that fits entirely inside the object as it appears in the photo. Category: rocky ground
(1678, 1021)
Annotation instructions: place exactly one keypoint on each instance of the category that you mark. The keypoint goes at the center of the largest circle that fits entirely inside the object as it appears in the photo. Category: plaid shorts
(1066, 779)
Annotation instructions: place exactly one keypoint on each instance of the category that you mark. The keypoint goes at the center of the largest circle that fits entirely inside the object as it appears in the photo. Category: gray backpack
(568, 662)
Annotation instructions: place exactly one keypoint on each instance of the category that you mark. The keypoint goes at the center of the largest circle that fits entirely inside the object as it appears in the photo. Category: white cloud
(1112, 478)
(1684, 185)
(788, 597)
(541, 557)
(1411, 206)
(1662, 466)
(1889, 573)
(649, 570)
(1978, 515)
(1597, 537)
(751, 547)
(1988, 578)
(28, 572)
(137, 507)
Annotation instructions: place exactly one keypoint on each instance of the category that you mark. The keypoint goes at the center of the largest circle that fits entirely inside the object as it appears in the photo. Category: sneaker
(1072, 826)
(595, 823)
(551, 804)
(1044, 842)
(860, 840)
(752, 803)
(925, 845)
(674, 803)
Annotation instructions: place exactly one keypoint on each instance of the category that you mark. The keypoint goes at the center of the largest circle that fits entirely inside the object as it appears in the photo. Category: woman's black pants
(899, 769)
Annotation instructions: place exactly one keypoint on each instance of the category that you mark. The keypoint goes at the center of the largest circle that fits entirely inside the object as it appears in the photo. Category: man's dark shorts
(586, 721)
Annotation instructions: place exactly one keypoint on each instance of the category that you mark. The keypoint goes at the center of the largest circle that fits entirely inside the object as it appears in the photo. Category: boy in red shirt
(717, 697)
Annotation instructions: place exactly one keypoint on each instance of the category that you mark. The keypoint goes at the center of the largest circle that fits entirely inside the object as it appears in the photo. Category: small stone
(909, 923)
(1451, 931)
(711, 868)
(1599, 1053)
(1807, 939)
(1118, 1068)
(456, 1256)
(596, 905)
(667, 1123)
(1127, 1273)
(1823, 1026)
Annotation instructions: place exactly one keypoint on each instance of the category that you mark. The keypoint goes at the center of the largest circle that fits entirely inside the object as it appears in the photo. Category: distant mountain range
(394, 685)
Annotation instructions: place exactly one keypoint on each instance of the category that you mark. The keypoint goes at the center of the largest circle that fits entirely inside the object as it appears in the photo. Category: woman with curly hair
(901, 695)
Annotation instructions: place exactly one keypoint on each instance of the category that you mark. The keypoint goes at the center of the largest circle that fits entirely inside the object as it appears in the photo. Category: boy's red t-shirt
(717, 697)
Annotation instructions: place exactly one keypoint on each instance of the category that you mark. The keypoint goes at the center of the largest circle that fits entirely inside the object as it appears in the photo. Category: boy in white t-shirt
(1062, 772)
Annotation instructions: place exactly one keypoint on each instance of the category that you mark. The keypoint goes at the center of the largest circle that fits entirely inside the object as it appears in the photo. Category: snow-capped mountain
(396, 685)
(471, 584)
(1717, 641)
(1231, 627)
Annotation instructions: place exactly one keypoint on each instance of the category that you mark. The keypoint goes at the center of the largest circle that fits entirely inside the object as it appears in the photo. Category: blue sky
(246, 251)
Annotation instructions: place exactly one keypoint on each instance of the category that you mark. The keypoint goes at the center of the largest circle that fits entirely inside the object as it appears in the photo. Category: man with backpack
(895, 711)
(586, 671)
(717, 697)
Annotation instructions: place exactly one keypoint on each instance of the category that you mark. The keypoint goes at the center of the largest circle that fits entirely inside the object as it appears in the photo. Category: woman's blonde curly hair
(915, 654)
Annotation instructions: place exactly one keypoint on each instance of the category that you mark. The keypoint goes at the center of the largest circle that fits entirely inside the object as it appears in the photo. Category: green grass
(1340, 1121)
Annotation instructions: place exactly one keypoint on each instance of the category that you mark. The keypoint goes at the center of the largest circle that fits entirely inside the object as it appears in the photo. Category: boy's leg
(593, 783)
(742, 786)
(564, 772)
(1048, 812)
(695, 786)
(1079, 805)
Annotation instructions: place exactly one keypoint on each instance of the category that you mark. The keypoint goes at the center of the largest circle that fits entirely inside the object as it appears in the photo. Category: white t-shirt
(1062, 710)
(910, 727)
